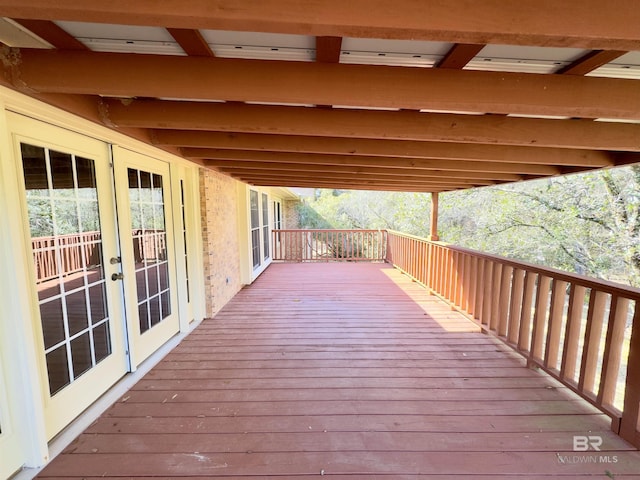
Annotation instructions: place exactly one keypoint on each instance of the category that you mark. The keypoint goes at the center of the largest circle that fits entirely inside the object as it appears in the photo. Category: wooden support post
(434, 217)
(629, 426)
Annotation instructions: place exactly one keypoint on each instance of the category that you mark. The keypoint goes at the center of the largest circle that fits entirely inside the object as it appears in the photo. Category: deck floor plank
(350, 371)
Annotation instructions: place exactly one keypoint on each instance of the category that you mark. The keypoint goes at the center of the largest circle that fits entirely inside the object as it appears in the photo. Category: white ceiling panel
(223, 37)
(15, 35)
(630, 58)
(260, 46)
(395, 46)
(514, 65)
(123, 38)
(612, 70)
(392, 59)
(547, 54)
(116, 32)
(263, 53)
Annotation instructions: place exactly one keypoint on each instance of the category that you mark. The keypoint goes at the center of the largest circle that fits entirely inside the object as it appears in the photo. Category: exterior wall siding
(219, 213)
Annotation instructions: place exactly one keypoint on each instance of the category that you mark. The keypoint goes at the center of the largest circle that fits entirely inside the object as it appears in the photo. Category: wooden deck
(349, 371)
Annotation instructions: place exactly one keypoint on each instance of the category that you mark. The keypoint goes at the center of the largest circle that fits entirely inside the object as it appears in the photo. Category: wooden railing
(582, 331)
(329, 245)
(75, 250)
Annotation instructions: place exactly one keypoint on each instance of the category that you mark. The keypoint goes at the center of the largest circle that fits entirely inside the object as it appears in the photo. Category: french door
(148, 256)
(70, 217)
(100, 228)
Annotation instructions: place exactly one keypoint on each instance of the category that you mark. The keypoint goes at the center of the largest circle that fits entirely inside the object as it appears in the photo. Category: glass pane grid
(146, 199)
(184, 237)
(64, 221)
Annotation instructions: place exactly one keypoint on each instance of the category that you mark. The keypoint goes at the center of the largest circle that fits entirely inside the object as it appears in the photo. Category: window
(277, 216)
(255, 228)
(184, 236)
(265, 225)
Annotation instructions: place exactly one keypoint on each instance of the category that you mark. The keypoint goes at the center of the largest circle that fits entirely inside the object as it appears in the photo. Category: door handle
(117, 276)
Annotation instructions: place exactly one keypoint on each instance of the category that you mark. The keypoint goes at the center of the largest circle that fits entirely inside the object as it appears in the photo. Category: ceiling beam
(351, 184)
(486, 129)
(385, 148)
(590, 62)
(341, 186)
(355, 178)
(459, 55)
(328, 49)
(191, 41)
(52, 33)
(370, 170)
(363, 161)
(179, 77)
(592, 24)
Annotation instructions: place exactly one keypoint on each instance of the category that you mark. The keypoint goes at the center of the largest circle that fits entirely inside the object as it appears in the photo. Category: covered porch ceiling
(409, 95)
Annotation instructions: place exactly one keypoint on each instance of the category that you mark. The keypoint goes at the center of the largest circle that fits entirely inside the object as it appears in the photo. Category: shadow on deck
(350, 371)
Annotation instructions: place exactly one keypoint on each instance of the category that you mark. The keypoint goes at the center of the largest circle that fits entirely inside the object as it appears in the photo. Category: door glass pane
(149, 236)
(265, 225)
(255, 228)
(184, 237)
(66, 241)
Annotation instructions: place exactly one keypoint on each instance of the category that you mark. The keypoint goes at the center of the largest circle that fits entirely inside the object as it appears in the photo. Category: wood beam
(592, 24)
(339, 186)
(370, 170)
(52, 33)
(591, 61)
(363, 161)
(459, 55)
(357, 179)
(167, 76)
(191, 41)
(341, 183)
(488, 129)
(405, 176)
(385, 148)
(328, 49)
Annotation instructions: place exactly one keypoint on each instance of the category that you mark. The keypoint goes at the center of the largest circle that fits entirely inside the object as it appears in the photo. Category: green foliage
(587, 223)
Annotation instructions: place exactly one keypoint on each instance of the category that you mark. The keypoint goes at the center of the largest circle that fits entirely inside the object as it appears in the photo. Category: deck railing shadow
(582, 331)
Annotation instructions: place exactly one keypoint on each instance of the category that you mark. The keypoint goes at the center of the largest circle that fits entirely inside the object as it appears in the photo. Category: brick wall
(218, 209)
(291, 214)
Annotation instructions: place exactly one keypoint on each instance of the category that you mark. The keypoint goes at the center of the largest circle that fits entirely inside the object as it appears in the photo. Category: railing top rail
(363, 230)
(613, 288)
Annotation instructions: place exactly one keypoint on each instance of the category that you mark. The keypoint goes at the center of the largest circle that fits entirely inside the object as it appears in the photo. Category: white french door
(10, 442)
(67, 202)
(143, 195)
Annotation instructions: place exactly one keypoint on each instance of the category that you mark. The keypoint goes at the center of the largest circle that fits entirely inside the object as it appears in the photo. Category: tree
(587, 223)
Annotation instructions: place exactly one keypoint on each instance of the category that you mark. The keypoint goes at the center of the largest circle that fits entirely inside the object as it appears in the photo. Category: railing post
(629, 428)
(434, 217)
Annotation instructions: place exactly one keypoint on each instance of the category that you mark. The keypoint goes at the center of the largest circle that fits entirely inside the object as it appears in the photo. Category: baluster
(495, 298)
(630, 421)
(613, 350)
(558, 296)
(504, 299)
(540, 318)
(572, 332)
(487, 302)
(515, 309)
(524, 335)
